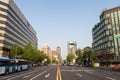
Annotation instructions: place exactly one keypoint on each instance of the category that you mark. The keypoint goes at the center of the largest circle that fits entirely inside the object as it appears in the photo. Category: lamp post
(16, 52)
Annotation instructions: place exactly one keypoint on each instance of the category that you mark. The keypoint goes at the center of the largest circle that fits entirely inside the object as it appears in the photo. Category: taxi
(116, 67)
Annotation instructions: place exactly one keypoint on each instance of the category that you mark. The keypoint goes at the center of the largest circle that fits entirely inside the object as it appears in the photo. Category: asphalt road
(37, 73)
(83, 73)
(54, 72)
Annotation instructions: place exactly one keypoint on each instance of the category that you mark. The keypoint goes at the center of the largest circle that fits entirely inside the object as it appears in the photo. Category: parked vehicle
(116, 67)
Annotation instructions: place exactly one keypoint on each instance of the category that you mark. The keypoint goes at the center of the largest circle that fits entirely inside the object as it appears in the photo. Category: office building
(14, 28)
(72, 47)
(46, 49)
(106, 41)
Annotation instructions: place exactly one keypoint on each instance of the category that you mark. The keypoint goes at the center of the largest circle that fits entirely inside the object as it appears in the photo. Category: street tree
(79, 56)
(30, 53)
(16, 51)
(89, 56)
(70, 57)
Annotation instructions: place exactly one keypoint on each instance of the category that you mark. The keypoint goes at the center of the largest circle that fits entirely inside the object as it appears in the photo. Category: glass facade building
(105, 40)
(14, 28)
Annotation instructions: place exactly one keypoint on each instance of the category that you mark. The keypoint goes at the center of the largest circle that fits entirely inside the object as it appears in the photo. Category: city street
(76, 73)
(53, 72)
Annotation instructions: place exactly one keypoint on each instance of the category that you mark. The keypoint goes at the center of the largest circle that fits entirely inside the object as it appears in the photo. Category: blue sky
(59, 21)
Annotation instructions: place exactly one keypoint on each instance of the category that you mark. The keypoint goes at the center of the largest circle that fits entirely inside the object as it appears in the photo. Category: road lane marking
(38, 75)
(27, 76)
(110, 78)
(4, 77)
(58, 75)
(79, 75)
(22, 75)
(47, 75)
(71, 70)
(89, 72)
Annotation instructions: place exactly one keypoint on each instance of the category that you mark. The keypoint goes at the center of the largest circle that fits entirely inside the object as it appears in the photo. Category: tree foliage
(30, 53)
(70, 57)
(89, 56)
(16, 51)
(79, 56)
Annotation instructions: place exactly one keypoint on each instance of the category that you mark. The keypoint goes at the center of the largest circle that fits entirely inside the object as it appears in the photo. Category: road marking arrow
(47, 75)
(110, 78)
(79, 75)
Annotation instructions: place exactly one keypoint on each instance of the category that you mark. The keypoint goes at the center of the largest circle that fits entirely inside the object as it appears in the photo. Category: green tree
(70, 57)
(30, 53)
(45, 57)
(78, 52)
(79, 56)
(40, 56)
(55, 61)
(94, 55)
(16, 51)
(89, 56)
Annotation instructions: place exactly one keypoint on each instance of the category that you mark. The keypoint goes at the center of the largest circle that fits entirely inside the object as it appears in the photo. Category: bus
(22, 64)
(7, 65)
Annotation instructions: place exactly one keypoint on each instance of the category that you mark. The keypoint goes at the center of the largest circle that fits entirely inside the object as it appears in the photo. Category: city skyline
(57, 22)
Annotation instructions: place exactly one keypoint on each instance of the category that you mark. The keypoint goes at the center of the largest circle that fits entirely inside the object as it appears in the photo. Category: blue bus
(7, 65)
(22, 64)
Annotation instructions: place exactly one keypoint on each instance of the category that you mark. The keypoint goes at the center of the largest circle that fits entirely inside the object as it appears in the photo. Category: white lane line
(71, 70)
(27, 76)
(4, 77)
(79, 75)
(110, 78)
(89, 72)
(38, 75)
(47, 75)
(22, 75)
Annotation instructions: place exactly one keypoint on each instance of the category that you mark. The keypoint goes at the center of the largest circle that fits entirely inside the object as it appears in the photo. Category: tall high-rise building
(58, 49)
(14, 28)
(105, 34)
(46, 49)
(72, 47)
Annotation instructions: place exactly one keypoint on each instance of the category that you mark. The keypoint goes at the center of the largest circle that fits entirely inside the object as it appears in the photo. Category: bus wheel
(6, 72)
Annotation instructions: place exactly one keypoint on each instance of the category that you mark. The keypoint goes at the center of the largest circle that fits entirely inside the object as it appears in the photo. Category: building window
(113, 29)
(117, 29)
(116, 18)
(112, 17)
(106, 21)
(118, 41)
(109, 44)
(112, 50)
(109, 26)
(110, 38)
(107, 32)
(112, 44)
(113, 21)
(107, 15)
(119, 15)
